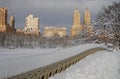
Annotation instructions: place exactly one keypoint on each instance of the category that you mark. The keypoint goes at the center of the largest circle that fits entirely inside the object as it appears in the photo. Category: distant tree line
(19, 40)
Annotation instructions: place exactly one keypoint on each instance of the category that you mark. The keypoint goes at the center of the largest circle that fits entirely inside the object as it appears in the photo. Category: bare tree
(109, 20)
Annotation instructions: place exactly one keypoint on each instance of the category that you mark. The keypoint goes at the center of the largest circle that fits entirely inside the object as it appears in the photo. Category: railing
(54, 68)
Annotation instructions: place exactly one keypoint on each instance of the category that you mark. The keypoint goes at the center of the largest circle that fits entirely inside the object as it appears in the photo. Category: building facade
(76, 28)
(12, 21)
(32, 25)
(87, 22)
(87, 17)
(11, 25)
(51, 31)
(3, 19)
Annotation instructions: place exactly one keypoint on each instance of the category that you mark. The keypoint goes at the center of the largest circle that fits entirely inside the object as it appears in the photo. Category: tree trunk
(119, 44)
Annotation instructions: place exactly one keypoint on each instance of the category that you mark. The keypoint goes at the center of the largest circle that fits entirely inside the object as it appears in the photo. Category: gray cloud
(52, 12)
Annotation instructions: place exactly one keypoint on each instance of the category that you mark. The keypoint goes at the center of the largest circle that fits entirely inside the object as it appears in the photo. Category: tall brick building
(12, 21)
(87, 22)
(3, 19)
(76, 23)
(87, 17)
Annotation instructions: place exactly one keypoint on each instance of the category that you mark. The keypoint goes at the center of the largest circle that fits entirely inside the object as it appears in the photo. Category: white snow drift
(102, 65)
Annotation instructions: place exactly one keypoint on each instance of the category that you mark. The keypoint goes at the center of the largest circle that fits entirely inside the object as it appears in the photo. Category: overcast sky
(52, 12)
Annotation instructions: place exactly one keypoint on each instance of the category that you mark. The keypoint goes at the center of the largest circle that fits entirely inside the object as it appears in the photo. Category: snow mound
(101, 65)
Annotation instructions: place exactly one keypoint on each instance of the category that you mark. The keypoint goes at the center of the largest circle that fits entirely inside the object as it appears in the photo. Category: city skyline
(32, 24)
(52, 12)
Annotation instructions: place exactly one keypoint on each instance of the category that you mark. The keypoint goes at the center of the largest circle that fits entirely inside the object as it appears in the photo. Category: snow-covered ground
(16, 61)
(101, 65)
(118, 54)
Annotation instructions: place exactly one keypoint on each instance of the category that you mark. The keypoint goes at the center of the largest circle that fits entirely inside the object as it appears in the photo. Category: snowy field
(118, 54)
(101, 65)
(16, 61)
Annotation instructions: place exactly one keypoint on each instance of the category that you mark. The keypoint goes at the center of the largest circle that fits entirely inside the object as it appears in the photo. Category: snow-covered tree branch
(109, 20)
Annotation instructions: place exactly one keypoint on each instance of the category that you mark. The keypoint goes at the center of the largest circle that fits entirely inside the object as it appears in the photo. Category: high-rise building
(76, 18)
(32, 25)
(87, 26)
(87, 17)
(12, 21)
(3, 19)
(76, 28)
(52, 31)
(11, 25)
